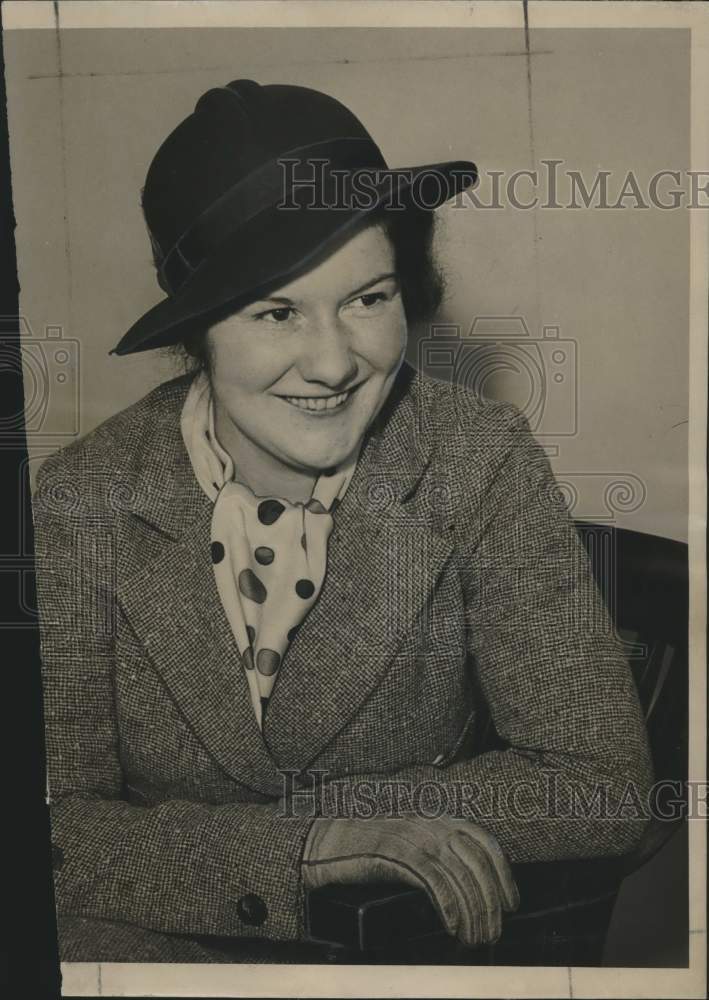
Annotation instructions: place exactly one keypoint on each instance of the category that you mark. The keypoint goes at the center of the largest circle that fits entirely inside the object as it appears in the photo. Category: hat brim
(276, 244)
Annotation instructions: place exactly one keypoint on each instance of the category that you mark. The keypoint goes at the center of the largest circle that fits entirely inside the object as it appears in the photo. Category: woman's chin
(326, 450)
(325, 457)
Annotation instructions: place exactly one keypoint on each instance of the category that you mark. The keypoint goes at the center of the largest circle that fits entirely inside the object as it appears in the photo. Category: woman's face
(298, 376)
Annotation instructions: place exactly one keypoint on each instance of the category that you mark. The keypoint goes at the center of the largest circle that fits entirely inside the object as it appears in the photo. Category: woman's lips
(322, 406)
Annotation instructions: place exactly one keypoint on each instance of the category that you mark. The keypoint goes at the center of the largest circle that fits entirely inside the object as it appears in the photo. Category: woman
(304, 567)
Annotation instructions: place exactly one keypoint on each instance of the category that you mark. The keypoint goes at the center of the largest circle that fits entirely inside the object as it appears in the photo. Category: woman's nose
(327, 354)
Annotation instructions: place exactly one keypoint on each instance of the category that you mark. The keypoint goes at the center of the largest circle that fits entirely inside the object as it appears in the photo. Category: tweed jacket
(455, 582)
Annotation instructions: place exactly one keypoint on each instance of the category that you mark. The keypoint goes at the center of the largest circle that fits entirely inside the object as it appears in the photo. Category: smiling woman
(300, 559)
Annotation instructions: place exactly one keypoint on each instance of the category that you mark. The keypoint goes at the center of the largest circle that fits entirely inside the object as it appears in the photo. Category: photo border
(108, 979)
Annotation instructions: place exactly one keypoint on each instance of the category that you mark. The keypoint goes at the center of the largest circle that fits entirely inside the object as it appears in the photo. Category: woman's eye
(371, 298)
(279, 315)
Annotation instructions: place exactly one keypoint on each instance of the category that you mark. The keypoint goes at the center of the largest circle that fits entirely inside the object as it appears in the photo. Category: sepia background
(88, 108)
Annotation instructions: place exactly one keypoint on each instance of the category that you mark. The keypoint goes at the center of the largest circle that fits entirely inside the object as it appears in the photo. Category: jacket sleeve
(573, 778)
(175, 867)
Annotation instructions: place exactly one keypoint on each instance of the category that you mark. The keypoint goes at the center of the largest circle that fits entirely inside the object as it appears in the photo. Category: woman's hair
(411, 234)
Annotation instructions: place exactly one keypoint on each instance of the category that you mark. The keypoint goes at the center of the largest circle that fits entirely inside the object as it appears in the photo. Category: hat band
(261, 189)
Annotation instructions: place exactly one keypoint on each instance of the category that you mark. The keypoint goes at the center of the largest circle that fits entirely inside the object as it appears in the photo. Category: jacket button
(252, 909)
(57, 857)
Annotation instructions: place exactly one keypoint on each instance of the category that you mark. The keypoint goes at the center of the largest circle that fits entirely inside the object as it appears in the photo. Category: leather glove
(461, 866)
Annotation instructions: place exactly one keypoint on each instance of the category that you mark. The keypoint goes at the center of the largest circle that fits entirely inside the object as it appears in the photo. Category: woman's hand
(460, 865)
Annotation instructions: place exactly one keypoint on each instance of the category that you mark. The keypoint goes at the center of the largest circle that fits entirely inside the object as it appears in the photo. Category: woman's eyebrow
(372, 281)
(281, 299)
(285, 301)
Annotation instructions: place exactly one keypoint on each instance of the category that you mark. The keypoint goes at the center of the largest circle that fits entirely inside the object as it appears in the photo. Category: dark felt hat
(253, 187)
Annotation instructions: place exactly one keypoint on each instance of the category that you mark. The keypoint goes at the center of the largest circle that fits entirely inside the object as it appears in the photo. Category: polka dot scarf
(269, 554)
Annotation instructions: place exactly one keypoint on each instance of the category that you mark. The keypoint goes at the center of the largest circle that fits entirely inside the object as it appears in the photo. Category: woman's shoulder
(119, 445)
(482, 450)
(475, 441)
(471, 403)
(459, 419)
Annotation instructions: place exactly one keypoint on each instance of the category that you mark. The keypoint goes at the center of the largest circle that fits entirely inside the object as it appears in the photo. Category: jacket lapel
(383, 563)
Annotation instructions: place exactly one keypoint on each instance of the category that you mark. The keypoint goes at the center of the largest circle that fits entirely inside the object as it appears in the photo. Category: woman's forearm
(181, 867)
(539, 807)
